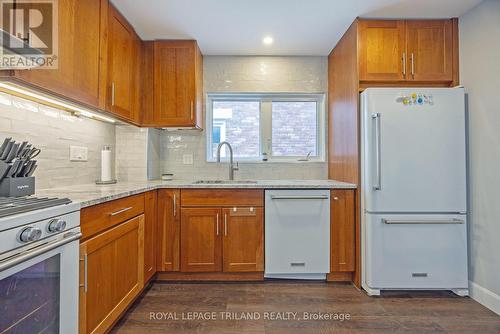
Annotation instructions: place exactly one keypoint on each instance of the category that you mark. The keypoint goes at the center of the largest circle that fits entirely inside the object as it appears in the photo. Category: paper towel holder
(101, 182)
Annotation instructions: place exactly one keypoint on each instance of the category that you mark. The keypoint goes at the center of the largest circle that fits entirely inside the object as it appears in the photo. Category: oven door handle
(25, 256)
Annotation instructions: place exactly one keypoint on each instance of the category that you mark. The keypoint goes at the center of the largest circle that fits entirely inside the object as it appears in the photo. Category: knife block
(17, 186)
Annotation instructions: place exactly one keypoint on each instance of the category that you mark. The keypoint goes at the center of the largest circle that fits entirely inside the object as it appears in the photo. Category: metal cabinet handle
(192, 110)
(430, 222)
(378, 161)
(175, 205)
(335, 198)
(112, 94)
(404, 64)
(412, 65)
(217, 224)
(121, 211)
(299, 197)
(225, 224)
(85, 284)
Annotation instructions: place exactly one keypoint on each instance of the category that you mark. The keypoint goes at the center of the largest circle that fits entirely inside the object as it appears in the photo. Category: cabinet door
(342, 230)
(169, 229)
(77, 75)
(122, 57)
(177, 68)
(150, 230)
(112, 274)
(201, 233)
(243, 247)
(381, 50)
(430, 50)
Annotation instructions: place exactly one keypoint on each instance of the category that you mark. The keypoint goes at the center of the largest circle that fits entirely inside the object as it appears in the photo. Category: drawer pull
(121, 211)
(298, 264)
(299, 197)
(430, 222)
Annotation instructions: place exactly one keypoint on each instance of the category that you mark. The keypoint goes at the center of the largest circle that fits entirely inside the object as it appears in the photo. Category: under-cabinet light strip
(43, 98)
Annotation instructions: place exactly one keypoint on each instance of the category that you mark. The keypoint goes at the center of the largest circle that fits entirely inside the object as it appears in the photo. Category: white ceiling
(299, 27)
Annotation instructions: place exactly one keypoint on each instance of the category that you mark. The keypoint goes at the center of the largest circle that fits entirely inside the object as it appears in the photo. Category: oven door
(39, 288)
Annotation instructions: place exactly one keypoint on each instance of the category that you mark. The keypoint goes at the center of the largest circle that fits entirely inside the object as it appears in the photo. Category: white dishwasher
(297, 234)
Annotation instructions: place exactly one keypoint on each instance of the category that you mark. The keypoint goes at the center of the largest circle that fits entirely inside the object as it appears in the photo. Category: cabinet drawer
(100, 217)
(222, 197)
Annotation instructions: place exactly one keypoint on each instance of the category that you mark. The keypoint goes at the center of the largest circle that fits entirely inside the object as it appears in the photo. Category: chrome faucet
(232, 168)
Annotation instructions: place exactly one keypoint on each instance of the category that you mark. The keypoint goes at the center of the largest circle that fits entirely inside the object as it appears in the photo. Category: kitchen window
(287, 127)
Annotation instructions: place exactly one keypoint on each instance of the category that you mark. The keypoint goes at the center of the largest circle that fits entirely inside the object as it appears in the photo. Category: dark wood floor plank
(394, 312)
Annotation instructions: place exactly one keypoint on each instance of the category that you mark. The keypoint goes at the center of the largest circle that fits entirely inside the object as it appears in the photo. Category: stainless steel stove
(39, 265)
(15, 205)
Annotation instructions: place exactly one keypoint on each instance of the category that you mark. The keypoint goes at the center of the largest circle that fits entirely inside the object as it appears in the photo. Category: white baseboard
(485, 297)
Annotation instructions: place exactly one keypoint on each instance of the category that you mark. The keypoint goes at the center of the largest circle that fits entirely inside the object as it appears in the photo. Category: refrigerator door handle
(430, 222)
(378, 162)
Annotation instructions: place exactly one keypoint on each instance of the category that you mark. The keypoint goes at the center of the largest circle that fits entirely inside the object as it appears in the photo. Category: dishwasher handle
(299, 197)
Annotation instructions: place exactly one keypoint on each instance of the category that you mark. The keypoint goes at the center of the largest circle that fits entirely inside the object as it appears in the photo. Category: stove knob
(56, 225)
(30, 234)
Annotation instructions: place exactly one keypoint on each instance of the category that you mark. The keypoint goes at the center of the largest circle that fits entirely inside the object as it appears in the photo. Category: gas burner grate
(13, 206)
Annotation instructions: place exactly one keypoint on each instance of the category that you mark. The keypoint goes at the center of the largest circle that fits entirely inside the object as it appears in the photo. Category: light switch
(78, 153)
(187, 159)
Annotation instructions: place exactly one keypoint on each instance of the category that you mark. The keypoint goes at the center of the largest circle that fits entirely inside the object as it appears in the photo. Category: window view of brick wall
(237, 122)
(294, 128)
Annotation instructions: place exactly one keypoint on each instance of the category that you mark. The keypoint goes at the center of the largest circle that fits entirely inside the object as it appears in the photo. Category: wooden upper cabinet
(80, 34)
(201, 248)
(169, 229)
(243, 242)
(381, 50)
(407, 51)
(120, 67)
(430, 50)
(342, 231)
(178, 76)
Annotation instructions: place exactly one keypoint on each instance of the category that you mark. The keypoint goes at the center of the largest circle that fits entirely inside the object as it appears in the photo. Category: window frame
(265, 123)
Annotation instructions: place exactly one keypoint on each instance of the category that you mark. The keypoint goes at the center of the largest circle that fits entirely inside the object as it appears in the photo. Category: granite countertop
(92, 194)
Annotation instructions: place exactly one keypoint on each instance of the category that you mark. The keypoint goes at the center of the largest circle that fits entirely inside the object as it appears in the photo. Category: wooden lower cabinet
(215, 239)
(243, 248)
(112, 274)
(169, 230)
(150, 230)
(342, 231)
(201, 240)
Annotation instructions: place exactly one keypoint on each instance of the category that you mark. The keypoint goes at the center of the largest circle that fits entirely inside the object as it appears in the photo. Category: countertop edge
(100, 199)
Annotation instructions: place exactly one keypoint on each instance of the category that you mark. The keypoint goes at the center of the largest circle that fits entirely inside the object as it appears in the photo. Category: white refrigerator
(413, 180)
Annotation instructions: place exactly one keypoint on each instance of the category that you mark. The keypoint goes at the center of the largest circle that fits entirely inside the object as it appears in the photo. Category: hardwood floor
(394, 312)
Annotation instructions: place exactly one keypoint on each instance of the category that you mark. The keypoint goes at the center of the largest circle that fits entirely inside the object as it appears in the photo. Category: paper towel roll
(106, 164)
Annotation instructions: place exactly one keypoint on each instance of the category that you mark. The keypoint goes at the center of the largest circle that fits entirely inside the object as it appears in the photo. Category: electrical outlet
(78, 153)
(187, 159)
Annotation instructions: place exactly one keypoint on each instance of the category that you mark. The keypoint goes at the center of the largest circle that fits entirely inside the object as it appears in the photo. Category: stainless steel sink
(224, 182)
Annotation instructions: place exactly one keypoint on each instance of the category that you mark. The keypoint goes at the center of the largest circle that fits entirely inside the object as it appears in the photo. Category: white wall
(480, 74)
(247, 74)
(53, 131)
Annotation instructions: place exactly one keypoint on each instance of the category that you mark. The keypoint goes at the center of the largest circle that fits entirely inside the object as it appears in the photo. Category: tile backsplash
(53, 131)
(254, 75)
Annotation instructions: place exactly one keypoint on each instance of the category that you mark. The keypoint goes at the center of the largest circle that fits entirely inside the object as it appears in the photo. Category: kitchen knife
(6, 151)
(32, 170)
(4, 145)
(14, 168)
(20, 170)
(26, 168)
(21, 148)
(13, 153)
(4, 175)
